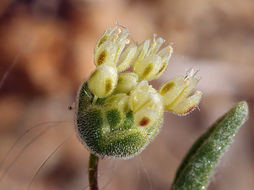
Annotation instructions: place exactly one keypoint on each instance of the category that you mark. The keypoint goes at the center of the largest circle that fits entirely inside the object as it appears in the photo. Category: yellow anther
(119, 30)
(187, 80)
(115, 36)
(154, 43)
(169, 49)
(198, 92)
(127, 41)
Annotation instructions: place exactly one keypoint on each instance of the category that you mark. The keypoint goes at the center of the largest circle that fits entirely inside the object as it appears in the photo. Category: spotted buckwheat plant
(119, 112)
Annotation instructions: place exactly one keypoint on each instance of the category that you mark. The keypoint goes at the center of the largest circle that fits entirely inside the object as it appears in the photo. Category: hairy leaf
(197, 167)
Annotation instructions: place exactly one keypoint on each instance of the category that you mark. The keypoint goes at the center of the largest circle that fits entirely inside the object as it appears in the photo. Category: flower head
(118, 112)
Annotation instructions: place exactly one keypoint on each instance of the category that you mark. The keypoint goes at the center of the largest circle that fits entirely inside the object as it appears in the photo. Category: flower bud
(103, 80)
(146, 117)
(146, 105)
(140, 95)
(150, 113)
(126, 82)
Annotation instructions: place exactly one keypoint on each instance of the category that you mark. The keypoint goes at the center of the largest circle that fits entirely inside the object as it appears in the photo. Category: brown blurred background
(46, 51)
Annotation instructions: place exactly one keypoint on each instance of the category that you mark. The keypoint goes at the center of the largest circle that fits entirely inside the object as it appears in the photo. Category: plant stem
(93, 172)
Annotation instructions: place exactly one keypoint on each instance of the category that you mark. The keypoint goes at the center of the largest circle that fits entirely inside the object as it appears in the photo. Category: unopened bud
(103, 80)
(126, 82)
(146, 104)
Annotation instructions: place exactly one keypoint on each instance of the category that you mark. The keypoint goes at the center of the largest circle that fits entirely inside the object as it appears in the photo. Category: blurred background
(46, 51)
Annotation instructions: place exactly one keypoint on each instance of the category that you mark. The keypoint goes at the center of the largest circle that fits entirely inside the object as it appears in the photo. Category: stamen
(187, 80)
(198, 92)
(127, 41)
(169, 48)
(115, 36)
(153, 43)
(191, 73)
(119, 30)
(154, 36)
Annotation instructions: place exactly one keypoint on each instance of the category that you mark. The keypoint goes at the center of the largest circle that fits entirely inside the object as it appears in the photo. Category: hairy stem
(93, 172)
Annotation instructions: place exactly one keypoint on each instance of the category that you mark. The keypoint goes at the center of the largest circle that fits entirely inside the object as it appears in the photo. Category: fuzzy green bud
(119, 114)
(108, 127)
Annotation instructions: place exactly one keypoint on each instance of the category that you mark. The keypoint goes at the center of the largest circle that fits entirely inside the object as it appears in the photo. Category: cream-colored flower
(151, 62)
(111, 49)
(176, 93)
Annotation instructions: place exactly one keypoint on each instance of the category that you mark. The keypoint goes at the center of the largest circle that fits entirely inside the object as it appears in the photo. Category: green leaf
(197, 167)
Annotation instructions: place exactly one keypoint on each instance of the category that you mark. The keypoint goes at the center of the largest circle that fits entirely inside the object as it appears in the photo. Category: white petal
(149, 67)
(155, 45)
(105, 54)
(126, 58)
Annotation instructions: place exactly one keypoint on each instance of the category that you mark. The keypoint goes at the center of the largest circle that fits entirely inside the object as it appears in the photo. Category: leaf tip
(243, 106)
(242, 109)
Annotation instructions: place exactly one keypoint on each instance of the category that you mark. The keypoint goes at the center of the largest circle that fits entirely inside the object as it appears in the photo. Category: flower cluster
(149, 62)
(127, 109)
